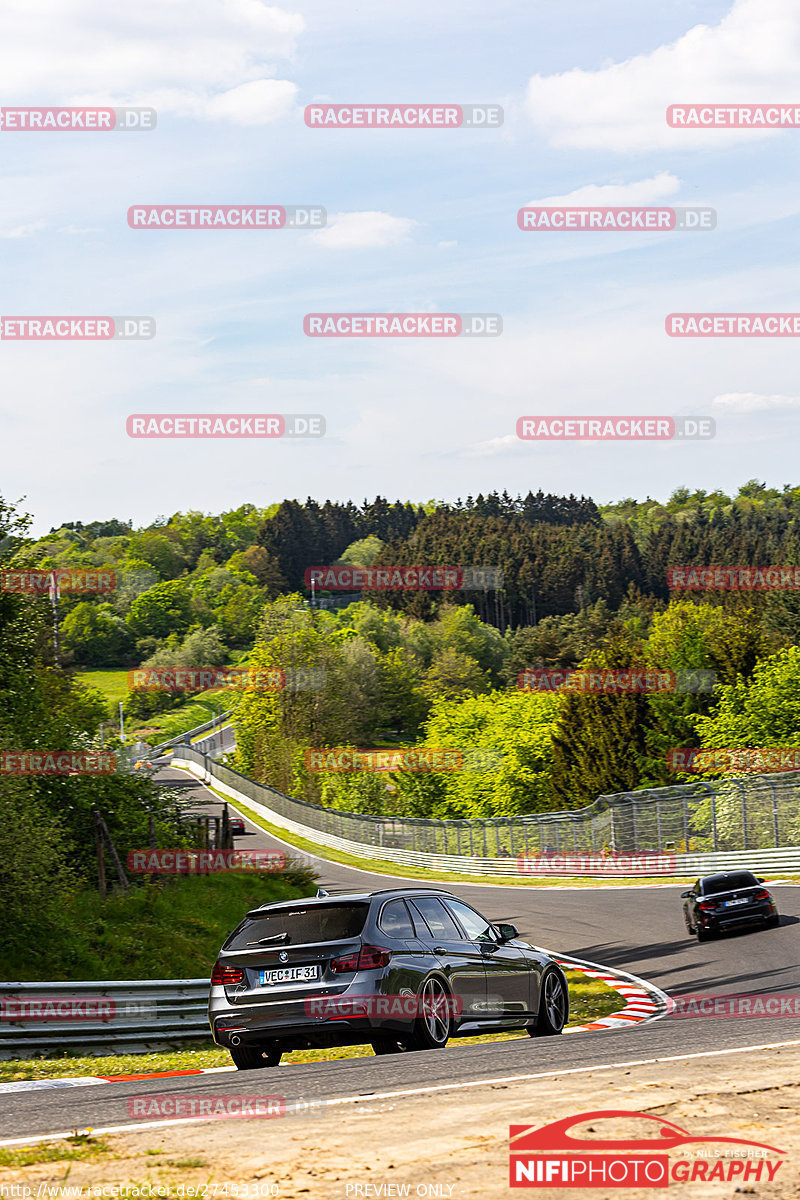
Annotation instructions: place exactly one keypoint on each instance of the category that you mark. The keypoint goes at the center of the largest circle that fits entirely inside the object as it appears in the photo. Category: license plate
(287, 975)
(731, 903)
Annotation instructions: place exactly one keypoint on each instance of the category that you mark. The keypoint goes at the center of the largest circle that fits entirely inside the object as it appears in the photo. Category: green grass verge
(381, 867)
(168, 930)
(590, 999)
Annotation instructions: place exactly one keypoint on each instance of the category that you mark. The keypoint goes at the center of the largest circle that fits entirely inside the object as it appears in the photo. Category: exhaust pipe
(235, 1040)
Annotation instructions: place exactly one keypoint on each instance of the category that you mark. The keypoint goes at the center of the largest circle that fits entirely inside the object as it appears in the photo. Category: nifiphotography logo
(554, 1156)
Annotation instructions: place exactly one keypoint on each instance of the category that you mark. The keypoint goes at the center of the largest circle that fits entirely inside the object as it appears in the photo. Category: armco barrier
(150, 1014)
(186, 737)
(327, 827)
(133, 1015)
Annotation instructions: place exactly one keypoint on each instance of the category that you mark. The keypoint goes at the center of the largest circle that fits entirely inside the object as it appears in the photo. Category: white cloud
(210, 59)
(255, 103)
(22, 231)
(493, 447)
(641, 191)
(752, 55)
(753, 401)
(364, 231)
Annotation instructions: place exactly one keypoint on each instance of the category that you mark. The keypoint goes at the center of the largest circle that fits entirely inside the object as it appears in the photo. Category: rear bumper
(316, 1019)
(299, 1036)
(755, 914)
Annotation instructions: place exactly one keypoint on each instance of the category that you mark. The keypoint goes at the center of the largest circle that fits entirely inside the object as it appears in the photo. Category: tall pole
(55, 592)
(121, 724)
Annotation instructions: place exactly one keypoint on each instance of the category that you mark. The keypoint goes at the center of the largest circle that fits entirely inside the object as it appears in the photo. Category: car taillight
(348, 963)
(226, 975)
(762, 895)
(367, 958)
(373, 956)
(707, 904)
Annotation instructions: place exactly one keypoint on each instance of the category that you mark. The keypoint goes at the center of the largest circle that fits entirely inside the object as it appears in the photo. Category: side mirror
(507, 932)
(760, 880)
(685, 895)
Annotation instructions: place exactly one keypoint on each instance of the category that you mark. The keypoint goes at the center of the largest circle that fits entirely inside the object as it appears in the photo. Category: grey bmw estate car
(402, 969)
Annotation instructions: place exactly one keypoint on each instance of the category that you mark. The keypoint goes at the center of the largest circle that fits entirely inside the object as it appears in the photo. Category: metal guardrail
(221, 740)
(99, 1015)
(185, 738)
(694, 828)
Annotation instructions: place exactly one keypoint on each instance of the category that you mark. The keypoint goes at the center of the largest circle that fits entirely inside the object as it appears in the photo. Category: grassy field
(589, 1000)
(112, 682)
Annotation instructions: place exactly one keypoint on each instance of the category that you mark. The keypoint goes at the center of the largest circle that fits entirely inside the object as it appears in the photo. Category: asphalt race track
(637, 929)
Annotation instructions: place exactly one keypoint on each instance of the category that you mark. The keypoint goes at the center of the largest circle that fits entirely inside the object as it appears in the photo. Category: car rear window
(316, 923)
(741, 879)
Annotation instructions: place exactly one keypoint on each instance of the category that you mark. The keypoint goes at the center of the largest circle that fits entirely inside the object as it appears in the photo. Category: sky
(418, 221)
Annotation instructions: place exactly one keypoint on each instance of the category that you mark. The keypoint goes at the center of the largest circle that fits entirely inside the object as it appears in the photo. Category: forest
(584, 588)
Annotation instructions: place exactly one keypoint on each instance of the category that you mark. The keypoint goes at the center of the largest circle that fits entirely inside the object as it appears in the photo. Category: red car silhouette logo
(666, 1136)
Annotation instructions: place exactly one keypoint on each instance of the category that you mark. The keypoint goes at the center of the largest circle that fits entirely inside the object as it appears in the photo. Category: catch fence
(756, 816)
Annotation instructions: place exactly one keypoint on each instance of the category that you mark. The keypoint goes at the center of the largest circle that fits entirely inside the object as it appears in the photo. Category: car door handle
(439, 950)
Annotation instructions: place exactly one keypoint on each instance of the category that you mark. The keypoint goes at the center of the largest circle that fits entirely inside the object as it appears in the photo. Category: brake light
(225, 975)
(373, 956)
(706, 904)
(348, 963)
(762, 895)
(367, 958)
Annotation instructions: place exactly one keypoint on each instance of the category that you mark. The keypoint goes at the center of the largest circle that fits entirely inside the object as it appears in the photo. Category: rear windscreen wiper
(276, 937)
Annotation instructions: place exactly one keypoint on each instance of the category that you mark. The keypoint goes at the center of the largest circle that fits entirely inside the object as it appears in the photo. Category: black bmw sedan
(725, 900)
(402, 969)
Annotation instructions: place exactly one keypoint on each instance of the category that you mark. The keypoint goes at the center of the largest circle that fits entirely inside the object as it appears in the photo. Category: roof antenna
(321, 892)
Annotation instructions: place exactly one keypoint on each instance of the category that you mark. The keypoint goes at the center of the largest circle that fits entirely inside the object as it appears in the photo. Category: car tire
(433, 1026)
(688, 925)
(251, 1058)
(773, 922)
(552, 1007)
(389, 1045)
(704, 935)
